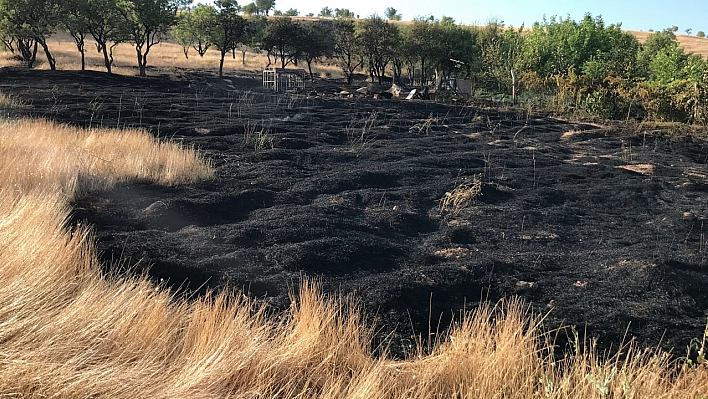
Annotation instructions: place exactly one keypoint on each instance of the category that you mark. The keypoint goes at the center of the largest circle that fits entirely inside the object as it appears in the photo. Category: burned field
(417, 209)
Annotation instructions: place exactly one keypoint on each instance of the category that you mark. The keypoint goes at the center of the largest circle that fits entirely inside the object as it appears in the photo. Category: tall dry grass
(44, 156)
(69, 331)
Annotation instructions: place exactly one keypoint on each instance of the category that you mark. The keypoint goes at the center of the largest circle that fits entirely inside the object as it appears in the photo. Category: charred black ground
(604, 226)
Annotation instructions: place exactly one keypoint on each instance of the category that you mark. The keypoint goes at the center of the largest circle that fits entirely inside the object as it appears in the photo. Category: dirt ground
(603, 227)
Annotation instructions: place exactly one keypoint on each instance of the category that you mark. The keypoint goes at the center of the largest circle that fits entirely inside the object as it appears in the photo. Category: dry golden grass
(41, 155)
(68, 331)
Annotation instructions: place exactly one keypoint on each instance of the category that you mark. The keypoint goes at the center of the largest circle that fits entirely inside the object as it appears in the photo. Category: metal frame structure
(284, 80)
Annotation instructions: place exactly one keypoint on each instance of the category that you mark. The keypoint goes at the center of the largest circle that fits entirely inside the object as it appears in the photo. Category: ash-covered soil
(604, 227)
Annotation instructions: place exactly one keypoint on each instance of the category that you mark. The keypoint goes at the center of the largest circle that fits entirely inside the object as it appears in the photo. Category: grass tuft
(462, 196)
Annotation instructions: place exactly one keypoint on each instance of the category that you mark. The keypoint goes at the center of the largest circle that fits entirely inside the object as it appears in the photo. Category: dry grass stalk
(453, 202)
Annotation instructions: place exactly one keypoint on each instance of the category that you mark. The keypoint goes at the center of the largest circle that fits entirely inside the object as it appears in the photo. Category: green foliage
(326, 12)
(671, 64)
(656, 42)
(282, 40)
(250, 9)
(446, 21)
(75, 21)
(316, 43)
(291, 12)
(392, 14)
(264, 6)
(700, 34)
(343, 13)
(193, 29)
(30, 22)
(554, 47)
(432, 45)
(347, 48)
(228, 31)
(147, 22)
(501, 51)
(379, 40)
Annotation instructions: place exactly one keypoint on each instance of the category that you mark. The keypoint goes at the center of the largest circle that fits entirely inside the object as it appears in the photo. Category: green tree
(326, 12)
(253, 35)
(655, 43)
(555, 47)
(291, 12)
(343, 13)
(229, 30)
(283, 40)
(147, 23)
(75, 21)
(265, 6)
(106, 26)
(672, 64)
(30, 22)
(250, 9)
(424, 42)
(347, 47)
(392, 14)
(193, 29)
(316, 43)
(700, 34)
(445, 20)
(379, 40)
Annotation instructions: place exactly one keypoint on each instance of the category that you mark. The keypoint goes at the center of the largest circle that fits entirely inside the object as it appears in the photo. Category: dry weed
(453, 202)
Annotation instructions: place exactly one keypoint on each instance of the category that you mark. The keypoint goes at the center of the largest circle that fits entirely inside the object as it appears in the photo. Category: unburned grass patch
(462, 196)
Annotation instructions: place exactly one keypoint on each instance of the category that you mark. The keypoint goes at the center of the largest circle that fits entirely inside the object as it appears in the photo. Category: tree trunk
(221, 64)
(185, 50)
(106, 60)
(309, 68)
(142, 61)
(28, 49)
(34, 54)
(243, 57)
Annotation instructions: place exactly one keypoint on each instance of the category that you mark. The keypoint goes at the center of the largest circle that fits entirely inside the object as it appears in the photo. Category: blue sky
(633, 14)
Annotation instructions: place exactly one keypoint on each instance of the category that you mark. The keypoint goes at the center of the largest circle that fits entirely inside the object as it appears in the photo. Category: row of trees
(571, 66)
(26, 25)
